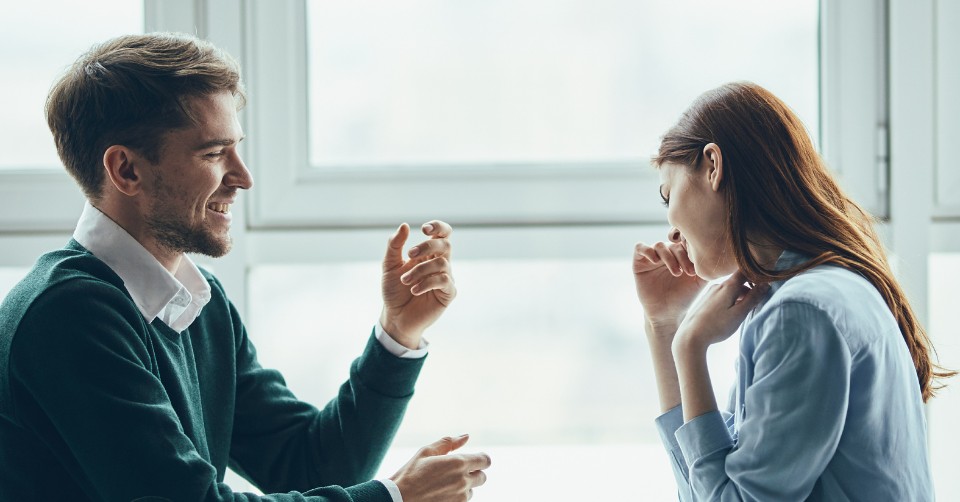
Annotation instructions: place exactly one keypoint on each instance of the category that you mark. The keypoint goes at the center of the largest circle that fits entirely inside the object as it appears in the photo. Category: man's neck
(128, 219)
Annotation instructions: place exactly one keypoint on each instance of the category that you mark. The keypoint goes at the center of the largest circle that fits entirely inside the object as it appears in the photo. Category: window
(40, 55)
(36, 194)
(9, 277)
(425, 82)
(499, 112)
(943, 409)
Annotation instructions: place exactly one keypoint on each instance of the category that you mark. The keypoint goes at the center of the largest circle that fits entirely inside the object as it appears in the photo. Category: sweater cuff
(386, 373)
(371, 491)
(702, 436)
(393, 489)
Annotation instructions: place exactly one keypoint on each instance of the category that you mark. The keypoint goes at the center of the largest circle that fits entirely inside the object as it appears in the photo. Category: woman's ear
(713, 159)
(121, 170)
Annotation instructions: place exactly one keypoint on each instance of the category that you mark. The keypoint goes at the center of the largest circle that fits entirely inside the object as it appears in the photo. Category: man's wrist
(393, 489)
(409, 340)
(391, 345)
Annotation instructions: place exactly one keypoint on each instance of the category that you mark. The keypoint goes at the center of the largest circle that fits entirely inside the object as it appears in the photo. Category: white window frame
(292, 194)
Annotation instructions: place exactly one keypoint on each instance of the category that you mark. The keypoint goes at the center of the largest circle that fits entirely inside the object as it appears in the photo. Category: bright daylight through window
(39, 54)
(426, 82)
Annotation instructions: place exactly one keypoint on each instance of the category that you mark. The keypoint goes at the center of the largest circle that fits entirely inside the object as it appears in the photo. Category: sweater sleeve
(281, 443)
(83, 380)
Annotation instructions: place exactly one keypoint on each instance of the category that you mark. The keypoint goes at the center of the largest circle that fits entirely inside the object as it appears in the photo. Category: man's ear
(713, 160)
(123, 166)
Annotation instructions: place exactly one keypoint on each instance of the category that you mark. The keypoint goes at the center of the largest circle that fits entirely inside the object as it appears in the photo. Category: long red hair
(777, 186)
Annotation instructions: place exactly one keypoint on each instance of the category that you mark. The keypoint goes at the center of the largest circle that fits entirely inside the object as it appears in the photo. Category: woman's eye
(666, 201)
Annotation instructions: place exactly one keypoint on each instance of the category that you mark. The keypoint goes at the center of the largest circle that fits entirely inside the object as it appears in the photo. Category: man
(126, 373)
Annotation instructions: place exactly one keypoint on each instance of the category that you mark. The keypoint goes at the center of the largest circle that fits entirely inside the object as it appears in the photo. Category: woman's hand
(713, 319)
(718, 314)
(667, 282)
(666, 285)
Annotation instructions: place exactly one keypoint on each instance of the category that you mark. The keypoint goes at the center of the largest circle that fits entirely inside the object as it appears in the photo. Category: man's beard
(174, 233)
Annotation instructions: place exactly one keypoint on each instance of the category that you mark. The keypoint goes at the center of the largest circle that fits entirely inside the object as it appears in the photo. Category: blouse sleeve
(795, 404)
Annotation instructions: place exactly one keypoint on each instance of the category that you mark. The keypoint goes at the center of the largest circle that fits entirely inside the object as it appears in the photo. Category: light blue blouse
(827, 404)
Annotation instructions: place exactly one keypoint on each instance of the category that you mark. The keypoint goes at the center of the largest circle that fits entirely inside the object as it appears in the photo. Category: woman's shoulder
(839, 299)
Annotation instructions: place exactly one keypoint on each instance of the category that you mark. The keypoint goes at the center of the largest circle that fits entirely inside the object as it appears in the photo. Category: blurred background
(528, 125)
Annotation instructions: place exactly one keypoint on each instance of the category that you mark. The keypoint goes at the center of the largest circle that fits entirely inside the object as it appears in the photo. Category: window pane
(548, 373)
(431, 82)
(945, 408)
(9, 277)
(38, 41)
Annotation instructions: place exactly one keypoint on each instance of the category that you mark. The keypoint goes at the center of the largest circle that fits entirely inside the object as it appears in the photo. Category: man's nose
(674, 235)
(238, 176)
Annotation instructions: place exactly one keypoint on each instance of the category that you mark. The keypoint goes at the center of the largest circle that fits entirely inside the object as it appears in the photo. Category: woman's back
(827, 400)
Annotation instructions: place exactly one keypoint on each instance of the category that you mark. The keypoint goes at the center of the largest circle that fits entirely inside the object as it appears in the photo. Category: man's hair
(130, 91)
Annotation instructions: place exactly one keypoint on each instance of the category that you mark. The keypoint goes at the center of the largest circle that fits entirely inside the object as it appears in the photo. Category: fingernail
(428, 228)
(414, 252)
(404, 279)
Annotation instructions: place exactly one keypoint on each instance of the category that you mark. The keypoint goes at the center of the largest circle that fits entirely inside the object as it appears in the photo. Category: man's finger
(431, 247)
(477, 461)
(444, 445)
(477, 478)
(437, 229)
(394, 256)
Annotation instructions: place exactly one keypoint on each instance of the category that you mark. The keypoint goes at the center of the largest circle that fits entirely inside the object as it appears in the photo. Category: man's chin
(216, 249)
(208, 245)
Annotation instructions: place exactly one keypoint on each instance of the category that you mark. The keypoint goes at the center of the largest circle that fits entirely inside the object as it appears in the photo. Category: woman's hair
(130, 91)
(777, 186)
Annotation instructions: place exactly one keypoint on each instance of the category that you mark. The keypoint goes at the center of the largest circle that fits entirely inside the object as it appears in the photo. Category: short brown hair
(129, 91)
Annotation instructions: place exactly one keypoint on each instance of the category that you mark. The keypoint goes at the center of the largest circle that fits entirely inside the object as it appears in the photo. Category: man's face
(190, 190)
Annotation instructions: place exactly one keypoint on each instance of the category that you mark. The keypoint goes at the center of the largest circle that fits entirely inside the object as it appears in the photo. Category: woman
(833, 367)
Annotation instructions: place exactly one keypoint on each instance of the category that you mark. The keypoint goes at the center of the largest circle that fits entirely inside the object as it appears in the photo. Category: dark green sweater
(96, 404)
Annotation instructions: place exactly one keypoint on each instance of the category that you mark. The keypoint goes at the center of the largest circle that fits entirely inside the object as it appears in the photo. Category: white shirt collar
(175, 298)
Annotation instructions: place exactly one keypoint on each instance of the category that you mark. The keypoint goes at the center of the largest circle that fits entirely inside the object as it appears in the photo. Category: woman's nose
(674, 235)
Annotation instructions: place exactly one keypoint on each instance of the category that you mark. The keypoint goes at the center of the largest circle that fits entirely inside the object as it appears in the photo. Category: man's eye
(215, 154)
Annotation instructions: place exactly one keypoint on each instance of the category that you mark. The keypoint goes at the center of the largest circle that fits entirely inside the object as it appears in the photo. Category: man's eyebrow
(218, 142)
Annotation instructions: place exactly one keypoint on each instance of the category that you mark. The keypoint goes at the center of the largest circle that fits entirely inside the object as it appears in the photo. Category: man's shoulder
(57, 270)
(66, 279)
(63, 287)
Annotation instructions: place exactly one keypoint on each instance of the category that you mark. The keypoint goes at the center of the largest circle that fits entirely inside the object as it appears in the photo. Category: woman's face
(697, 211)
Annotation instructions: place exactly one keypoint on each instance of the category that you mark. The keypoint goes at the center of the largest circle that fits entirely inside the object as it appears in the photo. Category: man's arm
(346, 442)
(282, 443)
(84, 380)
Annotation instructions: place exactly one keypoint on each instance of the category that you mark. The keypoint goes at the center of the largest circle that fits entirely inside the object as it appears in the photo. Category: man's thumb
(445, 445)
(394, 255)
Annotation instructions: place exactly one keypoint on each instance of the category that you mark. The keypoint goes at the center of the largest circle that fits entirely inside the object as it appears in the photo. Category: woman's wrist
(661, 329)
(687, 346)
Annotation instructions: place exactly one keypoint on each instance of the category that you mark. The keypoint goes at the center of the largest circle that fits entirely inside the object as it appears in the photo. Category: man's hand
(434, 476)
(418, 290)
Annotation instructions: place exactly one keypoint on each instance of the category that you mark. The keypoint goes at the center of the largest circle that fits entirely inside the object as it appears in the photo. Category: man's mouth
(219, 207)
